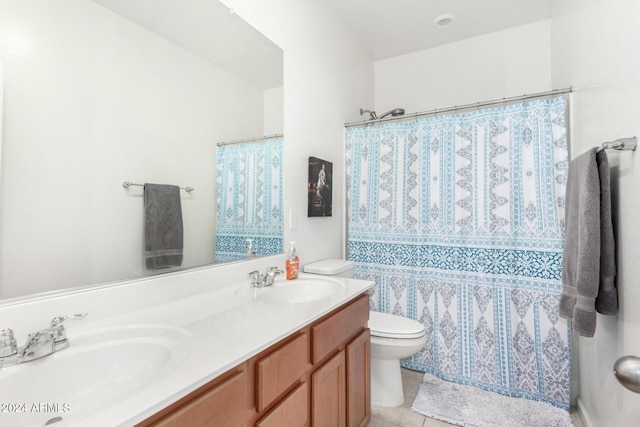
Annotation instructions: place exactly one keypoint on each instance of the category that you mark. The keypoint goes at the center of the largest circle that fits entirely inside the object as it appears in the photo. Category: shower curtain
(459, 219)
(249, 199)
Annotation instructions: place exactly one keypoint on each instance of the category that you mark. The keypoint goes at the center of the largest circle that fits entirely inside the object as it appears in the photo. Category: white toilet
(392, 338)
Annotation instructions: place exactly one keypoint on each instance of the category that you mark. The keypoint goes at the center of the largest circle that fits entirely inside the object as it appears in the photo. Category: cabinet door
(221, 406)
(359, 380)
(328, 395)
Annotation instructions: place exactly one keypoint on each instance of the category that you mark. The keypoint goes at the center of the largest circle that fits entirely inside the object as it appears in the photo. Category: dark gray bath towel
(588, 264)
(162, 226)
(607, 300)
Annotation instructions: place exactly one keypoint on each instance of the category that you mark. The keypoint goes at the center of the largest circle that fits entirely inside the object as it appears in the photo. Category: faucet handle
(59, 319)
(271, 274)
(255, 277)
(8, 343)
(57, 332)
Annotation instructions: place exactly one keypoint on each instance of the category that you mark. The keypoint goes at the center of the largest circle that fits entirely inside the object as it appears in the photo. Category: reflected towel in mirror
(163, 233)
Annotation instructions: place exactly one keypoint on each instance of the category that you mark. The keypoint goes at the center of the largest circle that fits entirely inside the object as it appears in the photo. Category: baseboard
(584, 413)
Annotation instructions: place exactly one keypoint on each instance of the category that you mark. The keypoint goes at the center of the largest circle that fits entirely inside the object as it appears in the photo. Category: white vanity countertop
(222, 328)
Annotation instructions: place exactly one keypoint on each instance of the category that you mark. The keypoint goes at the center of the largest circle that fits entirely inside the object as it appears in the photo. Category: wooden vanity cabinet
(318, 376)
(341, 387)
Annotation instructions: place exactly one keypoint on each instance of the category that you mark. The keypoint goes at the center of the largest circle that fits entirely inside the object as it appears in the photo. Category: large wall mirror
(98, 92)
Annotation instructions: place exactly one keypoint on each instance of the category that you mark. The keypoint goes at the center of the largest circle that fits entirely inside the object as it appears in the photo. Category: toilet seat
(386, 325)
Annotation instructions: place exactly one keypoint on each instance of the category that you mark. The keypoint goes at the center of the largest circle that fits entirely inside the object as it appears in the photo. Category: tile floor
(403, 416)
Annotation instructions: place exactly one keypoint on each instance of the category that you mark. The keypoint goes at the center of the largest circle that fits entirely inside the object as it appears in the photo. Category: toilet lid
(329, 267)
(392, 326)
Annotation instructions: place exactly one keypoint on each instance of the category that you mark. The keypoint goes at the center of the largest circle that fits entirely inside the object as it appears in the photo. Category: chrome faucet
(261, 280)
(39, 344)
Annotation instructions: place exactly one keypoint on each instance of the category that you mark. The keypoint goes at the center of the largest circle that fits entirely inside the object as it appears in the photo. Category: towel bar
(622, 144)
(127, 184)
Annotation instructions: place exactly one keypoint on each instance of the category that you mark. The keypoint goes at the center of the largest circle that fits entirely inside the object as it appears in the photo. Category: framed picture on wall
(320, 187)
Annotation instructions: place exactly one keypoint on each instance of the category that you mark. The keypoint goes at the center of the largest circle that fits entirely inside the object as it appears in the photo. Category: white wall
(273, 111)
(327, 78)
(595, 49)
(92, 100)
(501, 64)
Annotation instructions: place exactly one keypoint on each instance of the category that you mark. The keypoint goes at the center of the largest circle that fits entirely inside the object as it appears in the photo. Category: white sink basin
(98, 369)
(299, 291)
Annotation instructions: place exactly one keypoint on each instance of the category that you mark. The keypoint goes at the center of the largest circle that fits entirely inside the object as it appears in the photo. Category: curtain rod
(244, 141)
(464, 107)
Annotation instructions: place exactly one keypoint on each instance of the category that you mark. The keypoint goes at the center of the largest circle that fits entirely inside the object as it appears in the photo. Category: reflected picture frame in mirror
(97, 92)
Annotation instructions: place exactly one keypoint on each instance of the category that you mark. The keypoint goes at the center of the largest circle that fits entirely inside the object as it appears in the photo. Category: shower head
(394, 113)
(372, 114)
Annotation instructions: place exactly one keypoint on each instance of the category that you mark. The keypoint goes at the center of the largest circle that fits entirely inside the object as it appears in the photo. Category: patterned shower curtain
(249, 199)
(459, 219)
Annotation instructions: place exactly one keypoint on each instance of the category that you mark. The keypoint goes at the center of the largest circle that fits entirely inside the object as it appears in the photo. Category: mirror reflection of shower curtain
(249, 185)
(459, 220)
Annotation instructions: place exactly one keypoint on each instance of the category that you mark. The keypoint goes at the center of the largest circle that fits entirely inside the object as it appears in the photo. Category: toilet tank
(331, 267)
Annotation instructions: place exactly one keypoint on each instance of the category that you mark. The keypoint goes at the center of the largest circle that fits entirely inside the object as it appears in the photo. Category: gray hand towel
(162, 226)
(586, 256)
(607, 300)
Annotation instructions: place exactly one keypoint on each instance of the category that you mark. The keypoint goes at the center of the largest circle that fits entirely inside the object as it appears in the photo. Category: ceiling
(389, 28)
(386, 28)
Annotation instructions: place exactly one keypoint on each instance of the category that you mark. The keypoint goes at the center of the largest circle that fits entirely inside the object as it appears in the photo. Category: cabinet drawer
(293, 411)
(280, 369)
(221, 406)
(337, 329)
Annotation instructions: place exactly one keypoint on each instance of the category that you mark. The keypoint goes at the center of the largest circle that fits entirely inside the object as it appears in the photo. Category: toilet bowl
(392, 338)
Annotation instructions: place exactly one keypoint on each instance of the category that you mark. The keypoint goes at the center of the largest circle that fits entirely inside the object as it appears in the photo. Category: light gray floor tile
(399, 416)
(575, 417)
(403, 415)
(432, 422)
(411, 384)
(381, 423)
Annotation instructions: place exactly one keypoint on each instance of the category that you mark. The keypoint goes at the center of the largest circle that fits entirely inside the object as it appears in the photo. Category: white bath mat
(469, 406)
